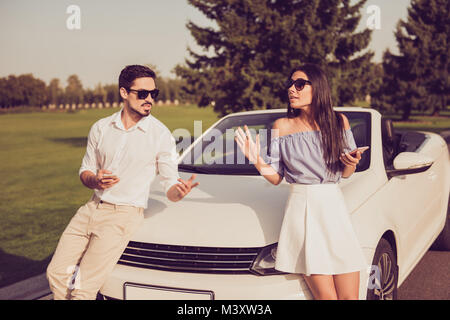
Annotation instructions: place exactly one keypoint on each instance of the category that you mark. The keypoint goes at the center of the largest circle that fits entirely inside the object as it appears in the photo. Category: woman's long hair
(330, 122)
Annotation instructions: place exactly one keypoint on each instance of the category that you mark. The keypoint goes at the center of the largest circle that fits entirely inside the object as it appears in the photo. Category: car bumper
(127, 282)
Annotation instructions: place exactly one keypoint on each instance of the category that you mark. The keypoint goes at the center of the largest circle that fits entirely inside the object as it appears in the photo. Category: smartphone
(108, 175)
(361, 149)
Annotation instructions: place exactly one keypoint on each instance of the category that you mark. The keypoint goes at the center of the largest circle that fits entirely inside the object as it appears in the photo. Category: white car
(220, 241)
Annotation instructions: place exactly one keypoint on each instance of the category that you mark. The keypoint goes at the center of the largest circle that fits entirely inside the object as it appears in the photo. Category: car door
(416, 199)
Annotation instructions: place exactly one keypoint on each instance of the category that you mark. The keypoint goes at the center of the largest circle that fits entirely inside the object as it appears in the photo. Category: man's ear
(123, 93)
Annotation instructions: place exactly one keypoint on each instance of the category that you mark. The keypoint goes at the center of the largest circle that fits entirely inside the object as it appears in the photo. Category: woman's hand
(348, 160)
(245, 142)
(350, 163)
(252, 151)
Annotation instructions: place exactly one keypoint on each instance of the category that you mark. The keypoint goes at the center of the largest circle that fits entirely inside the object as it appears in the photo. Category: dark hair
(130, 73)
(329, 121)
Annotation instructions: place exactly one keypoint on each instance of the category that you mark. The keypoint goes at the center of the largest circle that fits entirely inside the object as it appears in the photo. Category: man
(124, 153)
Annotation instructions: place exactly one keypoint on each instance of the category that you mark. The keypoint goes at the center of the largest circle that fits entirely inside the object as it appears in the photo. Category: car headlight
(264, 263)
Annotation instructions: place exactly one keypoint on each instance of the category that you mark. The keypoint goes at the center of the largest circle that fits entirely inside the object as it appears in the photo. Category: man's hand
(105, 182)
(99, 181)
(180, 190)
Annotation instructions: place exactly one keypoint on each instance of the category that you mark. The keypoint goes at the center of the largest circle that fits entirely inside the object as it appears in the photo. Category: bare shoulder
(281, 125)
(346, 123)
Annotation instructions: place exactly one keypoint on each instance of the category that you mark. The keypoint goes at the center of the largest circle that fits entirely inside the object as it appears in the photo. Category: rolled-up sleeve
(274, 157)
(349, 141)
(166, 161)
(89, 162)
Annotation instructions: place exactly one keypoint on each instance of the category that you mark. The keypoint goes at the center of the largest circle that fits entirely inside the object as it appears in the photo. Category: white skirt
(317, 235)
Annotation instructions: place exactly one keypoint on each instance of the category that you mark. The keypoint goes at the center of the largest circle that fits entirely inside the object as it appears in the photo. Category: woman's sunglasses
(298, 83)
(143, 94)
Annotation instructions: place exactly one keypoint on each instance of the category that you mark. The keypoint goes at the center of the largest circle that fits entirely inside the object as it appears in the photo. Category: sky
(35, 38)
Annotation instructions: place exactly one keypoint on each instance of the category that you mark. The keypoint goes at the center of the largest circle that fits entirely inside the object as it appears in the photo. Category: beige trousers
(90, 247)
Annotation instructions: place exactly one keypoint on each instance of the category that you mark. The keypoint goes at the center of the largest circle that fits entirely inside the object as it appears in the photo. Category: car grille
(189, 258)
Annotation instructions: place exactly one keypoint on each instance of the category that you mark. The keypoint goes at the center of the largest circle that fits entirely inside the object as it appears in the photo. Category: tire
(442, 242)
(386, 261)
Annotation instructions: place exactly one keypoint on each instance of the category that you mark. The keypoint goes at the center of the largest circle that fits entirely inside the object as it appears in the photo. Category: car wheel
(386, 262)
(442, 242)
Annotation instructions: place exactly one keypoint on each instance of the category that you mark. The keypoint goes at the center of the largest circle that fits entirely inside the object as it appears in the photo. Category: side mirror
(410, 162)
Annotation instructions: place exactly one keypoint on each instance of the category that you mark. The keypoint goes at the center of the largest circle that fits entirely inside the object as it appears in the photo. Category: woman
(310, 149)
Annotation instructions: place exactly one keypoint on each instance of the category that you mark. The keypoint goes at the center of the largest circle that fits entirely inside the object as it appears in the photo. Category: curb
(29, 289)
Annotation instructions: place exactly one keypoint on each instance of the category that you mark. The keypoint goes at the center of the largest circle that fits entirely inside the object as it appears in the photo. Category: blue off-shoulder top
(298, 157)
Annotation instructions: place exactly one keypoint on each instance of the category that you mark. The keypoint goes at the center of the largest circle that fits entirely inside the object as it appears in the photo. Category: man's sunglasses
(298, 83)
(143, 94)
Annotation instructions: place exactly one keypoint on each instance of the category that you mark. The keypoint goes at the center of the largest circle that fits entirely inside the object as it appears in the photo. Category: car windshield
(217, 152)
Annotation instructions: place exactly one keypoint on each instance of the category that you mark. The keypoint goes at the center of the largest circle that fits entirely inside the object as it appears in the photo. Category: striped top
(298, 157)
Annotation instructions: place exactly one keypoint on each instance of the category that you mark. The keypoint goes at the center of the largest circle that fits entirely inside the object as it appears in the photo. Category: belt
(110, 205)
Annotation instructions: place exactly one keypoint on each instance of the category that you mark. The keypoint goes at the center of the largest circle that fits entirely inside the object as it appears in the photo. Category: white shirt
(135, 156)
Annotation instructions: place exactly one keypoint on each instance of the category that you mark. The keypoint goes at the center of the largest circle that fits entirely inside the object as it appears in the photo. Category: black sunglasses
(143, 94)
(299, 83)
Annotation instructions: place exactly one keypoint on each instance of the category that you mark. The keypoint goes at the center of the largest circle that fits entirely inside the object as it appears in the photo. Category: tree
(33, 90)
(174, 89)
(54, 92)
(88, 96)
(23, 90)
(375, 79)
(257, 43)
(170, 89)
(13, 87)
(74, 90)
(418, 77)
(4, 99)
(112, 93)
(6, 92)
(161, 84)
(99, 94)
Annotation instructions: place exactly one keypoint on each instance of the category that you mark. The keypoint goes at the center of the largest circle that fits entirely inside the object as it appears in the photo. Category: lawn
(41, 153)
(424, 123)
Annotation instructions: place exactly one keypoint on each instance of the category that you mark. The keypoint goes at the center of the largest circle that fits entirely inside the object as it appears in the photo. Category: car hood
(223, 211)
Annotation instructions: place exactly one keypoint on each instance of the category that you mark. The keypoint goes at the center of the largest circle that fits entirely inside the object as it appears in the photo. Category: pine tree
(418, 78)
(257, 43)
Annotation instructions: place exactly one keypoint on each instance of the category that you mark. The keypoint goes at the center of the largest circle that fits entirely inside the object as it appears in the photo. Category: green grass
(41, 153)
(423, 123)
(418, 120)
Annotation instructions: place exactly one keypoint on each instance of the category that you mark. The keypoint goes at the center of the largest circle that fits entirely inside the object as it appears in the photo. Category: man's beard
(138, 113)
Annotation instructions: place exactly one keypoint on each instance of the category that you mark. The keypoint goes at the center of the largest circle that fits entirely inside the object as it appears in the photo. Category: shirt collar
(142, 124)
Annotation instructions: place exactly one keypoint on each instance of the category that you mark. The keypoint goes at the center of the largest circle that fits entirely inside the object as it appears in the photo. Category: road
(430, 279)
